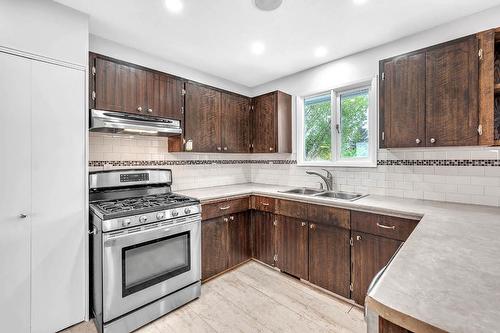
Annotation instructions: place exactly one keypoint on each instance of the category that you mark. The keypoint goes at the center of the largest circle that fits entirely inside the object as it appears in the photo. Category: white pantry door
(58, 192)
(15, 193)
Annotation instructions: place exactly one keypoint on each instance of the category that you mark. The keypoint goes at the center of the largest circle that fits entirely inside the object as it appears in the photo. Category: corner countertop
(446, 277)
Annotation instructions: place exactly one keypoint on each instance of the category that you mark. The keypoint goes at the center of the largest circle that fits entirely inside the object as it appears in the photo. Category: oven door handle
(155, 233)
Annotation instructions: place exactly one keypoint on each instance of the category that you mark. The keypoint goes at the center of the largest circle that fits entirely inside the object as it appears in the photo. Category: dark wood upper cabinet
(214, 245)
(292, 246)
(429, 98)
(263, 236)
(402, 107)
(272, 123)
(239, 249)
(169, 102)
(452, 87)
(202, 112)
(329, 258)
(117, 86)
(235, 123)
(369, 254)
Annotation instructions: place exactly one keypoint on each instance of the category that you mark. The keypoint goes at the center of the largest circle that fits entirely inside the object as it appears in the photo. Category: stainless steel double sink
(338, 195)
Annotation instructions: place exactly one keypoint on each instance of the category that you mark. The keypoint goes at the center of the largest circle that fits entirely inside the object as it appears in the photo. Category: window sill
(339, 164)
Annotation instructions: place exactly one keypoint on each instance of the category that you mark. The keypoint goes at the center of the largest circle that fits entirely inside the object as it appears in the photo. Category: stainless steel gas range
(146, 248)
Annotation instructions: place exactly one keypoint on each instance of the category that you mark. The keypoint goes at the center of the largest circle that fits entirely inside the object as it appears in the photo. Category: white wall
(122, 52)
(44, 28)
(364, 65)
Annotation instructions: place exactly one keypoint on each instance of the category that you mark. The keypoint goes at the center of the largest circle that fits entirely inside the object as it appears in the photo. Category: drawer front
(293, 209)
(264, 204)
(337, 217)
(386, 226)
(220, 208)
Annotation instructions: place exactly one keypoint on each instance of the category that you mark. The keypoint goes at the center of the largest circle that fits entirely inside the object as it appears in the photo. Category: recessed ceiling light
(174, 6)
(359, 2)
(320, 52)
(257, 48)
(268, 5)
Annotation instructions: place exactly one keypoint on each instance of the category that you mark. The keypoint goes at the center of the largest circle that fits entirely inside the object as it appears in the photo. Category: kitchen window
(338, 127)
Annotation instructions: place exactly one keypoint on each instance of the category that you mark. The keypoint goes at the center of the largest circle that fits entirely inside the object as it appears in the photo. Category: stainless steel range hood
(126, 123)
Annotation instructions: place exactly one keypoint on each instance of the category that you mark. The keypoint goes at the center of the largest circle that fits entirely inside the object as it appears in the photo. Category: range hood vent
(126, 123)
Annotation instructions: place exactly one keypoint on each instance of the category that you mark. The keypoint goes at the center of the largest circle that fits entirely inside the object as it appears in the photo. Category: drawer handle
(386, 226)
(225, 208)
(264, 204)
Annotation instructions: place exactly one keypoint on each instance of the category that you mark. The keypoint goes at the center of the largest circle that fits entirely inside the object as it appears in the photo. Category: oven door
(141, 265)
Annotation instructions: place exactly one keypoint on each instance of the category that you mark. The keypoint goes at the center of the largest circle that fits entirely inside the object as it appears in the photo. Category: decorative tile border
(493, 163)
(487, 163)
(185, 162)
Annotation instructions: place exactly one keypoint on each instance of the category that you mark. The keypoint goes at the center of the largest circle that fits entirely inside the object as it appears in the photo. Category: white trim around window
(336, 159)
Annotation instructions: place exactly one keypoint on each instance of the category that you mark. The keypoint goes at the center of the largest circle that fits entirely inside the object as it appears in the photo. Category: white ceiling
(214, 36)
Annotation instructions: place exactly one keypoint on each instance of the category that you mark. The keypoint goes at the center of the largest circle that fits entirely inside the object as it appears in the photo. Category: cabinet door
(58, 221)
(214, 245)
(202, 118)
(117, 86)
(292, 245)
(329, 258)
(239, 238)
(15, 193)
(263, 236)
(235, 124)
(369, 255)
(169, 102)
(452, 86)
(402, 101)
(264, 124)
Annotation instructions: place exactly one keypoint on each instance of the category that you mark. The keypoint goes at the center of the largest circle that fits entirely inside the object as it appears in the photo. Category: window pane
(354, 124)
(317, 128)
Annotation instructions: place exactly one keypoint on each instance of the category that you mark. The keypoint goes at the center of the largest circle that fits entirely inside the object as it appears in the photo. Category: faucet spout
(328, 179)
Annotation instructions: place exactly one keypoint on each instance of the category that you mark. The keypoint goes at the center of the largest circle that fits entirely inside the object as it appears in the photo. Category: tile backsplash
(465, 175)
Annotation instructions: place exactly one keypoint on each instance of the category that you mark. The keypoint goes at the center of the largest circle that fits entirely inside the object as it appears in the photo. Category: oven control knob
(187, 210)
(143, 219)
(174, 213)
(160, 215)
(126, 222)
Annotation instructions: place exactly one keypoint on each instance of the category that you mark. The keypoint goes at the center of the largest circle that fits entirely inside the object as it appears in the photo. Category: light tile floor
(256, 298)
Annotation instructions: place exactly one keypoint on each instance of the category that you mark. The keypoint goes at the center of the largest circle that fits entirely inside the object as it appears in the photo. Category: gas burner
(138, 204)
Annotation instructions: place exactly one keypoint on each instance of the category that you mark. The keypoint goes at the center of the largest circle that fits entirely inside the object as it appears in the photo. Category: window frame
(335, 96)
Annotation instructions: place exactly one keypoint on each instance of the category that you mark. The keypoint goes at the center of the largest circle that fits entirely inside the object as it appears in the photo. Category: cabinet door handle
(271, 148)
(303, 224)
(417, 141)
(312, 226)
(386, 226)
(264, 203)
(433, 140)
(23, 216)
(219, 148)
(139, 108)
(225, 219)
(225, 208)
(231, 218)
(150, 110)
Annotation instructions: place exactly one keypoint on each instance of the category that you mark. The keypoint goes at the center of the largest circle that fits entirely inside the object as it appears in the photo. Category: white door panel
(58, 214)
(15, 190)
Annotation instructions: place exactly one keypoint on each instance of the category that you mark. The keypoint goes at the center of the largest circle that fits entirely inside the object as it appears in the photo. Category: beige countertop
(446, 275)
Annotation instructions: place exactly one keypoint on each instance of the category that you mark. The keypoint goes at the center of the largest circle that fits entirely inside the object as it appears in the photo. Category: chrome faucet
(328, 179)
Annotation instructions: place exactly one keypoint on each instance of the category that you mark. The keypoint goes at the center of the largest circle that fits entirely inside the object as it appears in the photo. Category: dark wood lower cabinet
(264, 235)
(292, 247)
(369, 254)
(239, 239)
(385, 326)
(214, 241)
(329, 258)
